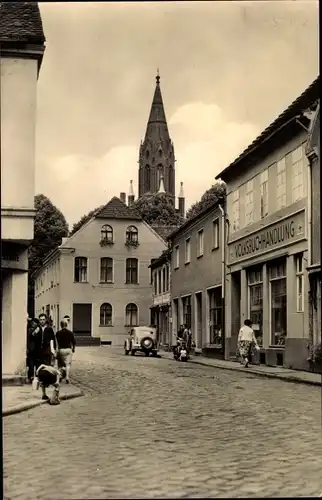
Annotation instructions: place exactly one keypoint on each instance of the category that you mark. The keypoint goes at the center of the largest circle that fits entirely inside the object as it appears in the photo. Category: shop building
(100, 276)
(267, 250)
(314, 267)
(161, 304)
(197, 267)
(22, 45)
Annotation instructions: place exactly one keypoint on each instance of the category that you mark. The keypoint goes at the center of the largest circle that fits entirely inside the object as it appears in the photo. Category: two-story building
(197, 279)
(100, 276)
(314, 254)
(161, 303)
(21, 51)
(267, 251)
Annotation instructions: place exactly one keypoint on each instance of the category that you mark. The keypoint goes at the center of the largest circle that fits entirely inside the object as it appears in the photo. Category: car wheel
(146, 344)
(147, 353)
(132, 352)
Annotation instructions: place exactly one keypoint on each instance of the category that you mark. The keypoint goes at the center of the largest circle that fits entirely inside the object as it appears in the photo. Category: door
(82, 319)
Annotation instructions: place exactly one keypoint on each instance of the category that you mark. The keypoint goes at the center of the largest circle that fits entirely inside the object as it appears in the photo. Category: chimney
(131, 197)
(123, 197)
(181, 201)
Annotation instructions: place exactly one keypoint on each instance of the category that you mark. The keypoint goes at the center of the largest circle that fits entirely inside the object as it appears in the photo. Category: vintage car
(141, 338)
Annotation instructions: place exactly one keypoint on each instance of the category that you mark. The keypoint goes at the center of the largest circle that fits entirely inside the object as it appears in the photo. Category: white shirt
(246, 333)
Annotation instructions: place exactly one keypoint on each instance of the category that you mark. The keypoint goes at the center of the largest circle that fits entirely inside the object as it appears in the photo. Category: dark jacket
(65, 339)
(42, 339)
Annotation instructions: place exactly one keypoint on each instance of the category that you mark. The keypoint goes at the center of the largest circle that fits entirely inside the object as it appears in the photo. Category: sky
(227, 70)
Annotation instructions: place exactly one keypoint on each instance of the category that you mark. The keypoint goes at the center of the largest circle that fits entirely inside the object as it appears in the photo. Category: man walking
(45, 341)
(66, 347)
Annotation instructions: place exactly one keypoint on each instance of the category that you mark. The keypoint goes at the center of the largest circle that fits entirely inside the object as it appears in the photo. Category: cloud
(205, 142)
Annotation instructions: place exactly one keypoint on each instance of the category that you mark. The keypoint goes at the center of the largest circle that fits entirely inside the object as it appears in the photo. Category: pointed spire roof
(181, 193)
(157, 128)
(131, 190)
(116, 209)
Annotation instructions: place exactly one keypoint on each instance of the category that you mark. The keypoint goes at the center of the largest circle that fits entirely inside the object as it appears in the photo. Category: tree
(50, 227)
(84, 219)
(217, 192)
(157, 209)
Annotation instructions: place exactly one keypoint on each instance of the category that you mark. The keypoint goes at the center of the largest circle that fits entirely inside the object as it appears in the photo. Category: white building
(21, 48)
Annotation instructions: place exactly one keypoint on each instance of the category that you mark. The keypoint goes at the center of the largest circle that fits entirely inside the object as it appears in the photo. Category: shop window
(186, 302)
(255, 301)
(278, 304)
(200, 243)
(299, 283)
(281, 184)
(187, 251)
(215, 317)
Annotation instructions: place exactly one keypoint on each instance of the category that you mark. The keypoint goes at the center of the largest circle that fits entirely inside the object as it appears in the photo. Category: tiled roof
(190, 222)
(21, 22)
(116, 209)
(164, 231)
(306, 99)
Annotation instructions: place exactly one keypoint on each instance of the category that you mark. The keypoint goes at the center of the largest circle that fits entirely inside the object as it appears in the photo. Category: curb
(32, 404)
(286, 378)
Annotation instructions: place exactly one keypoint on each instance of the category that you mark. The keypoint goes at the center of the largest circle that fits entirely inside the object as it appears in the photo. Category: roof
(164, 257)
(157, 128)
(21, 22)
(193, 220)
(164, 231)
(307, 98)
(116, 209)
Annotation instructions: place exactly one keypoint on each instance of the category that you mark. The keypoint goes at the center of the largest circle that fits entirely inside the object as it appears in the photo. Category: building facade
(267, 251)
(161, 302)
(21, 49)
(314, 267)
(197, 267)
(100, 276)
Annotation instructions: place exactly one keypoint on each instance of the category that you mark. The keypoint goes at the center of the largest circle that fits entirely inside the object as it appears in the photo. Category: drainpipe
(223, 273)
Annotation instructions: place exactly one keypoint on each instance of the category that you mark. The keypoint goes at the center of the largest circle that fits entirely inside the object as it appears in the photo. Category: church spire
(157, 127)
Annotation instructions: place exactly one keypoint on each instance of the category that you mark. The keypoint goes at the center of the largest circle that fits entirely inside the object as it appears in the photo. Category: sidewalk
(261, 370)
(20, 398)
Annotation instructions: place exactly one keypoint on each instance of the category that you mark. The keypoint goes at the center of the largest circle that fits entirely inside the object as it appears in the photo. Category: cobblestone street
(150, 427)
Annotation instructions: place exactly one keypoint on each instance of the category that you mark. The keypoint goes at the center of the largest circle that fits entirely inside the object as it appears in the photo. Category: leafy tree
(84, 219)
(158, 210)
(50, 227)
(217, 192)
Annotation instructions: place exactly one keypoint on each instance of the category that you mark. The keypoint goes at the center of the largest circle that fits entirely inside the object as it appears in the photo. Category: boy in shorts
(48, 375)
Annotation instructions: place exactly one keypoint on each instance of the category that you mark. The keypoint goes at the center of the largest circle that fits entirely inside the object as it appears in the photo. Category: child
(48, 375)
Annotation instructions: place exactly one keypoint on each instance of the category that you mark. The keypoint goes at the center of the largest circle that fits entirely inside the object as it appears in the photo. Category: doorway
(82, 319)
(198, 321)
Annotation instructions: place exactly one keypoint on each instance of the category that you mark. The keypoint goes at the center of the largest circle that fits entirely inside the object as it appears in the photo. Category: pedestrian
(48, 375)
(45, 342)
(31, 348)
(66, 347)
(246, 340)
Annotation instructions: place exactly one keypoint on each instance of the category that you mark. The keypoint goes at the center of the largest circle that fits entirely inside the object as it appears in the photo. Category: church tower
(157, 159)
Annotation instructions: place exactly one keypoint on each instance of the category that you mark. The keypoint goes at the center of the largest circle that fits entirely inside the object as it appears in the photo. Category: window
(215, 234)
(147, 178)
(132, 235)
(164, 284)
(255, 296)
(200, 243)
(215, 316)
(176, 257)
(281, 184)
(235, 222)
(167, 278)
(249, 203)
(299, 283)
(187, 251)
(297, 173)
(107, 233)
(106, 315)
(106, 272)
(132, 271)
(131, 315)
(159, 281)
(264, 193)
(186, 303)
(277, 276)
(80, 270)
(155, 282)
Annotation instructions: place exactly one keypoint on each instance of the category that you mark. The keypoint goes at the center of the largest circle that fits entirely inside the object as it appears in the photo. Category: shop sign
(274, 236)
(10, 258)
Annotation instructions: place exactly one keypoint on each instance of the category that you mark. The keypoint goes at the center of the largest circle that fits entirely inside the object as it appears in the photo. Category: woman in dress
(246, 339)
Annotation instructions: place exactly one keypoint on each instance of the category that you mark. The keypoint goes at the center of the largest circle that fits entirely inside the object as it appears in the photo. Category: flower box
(131, 244)
(106, 243)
